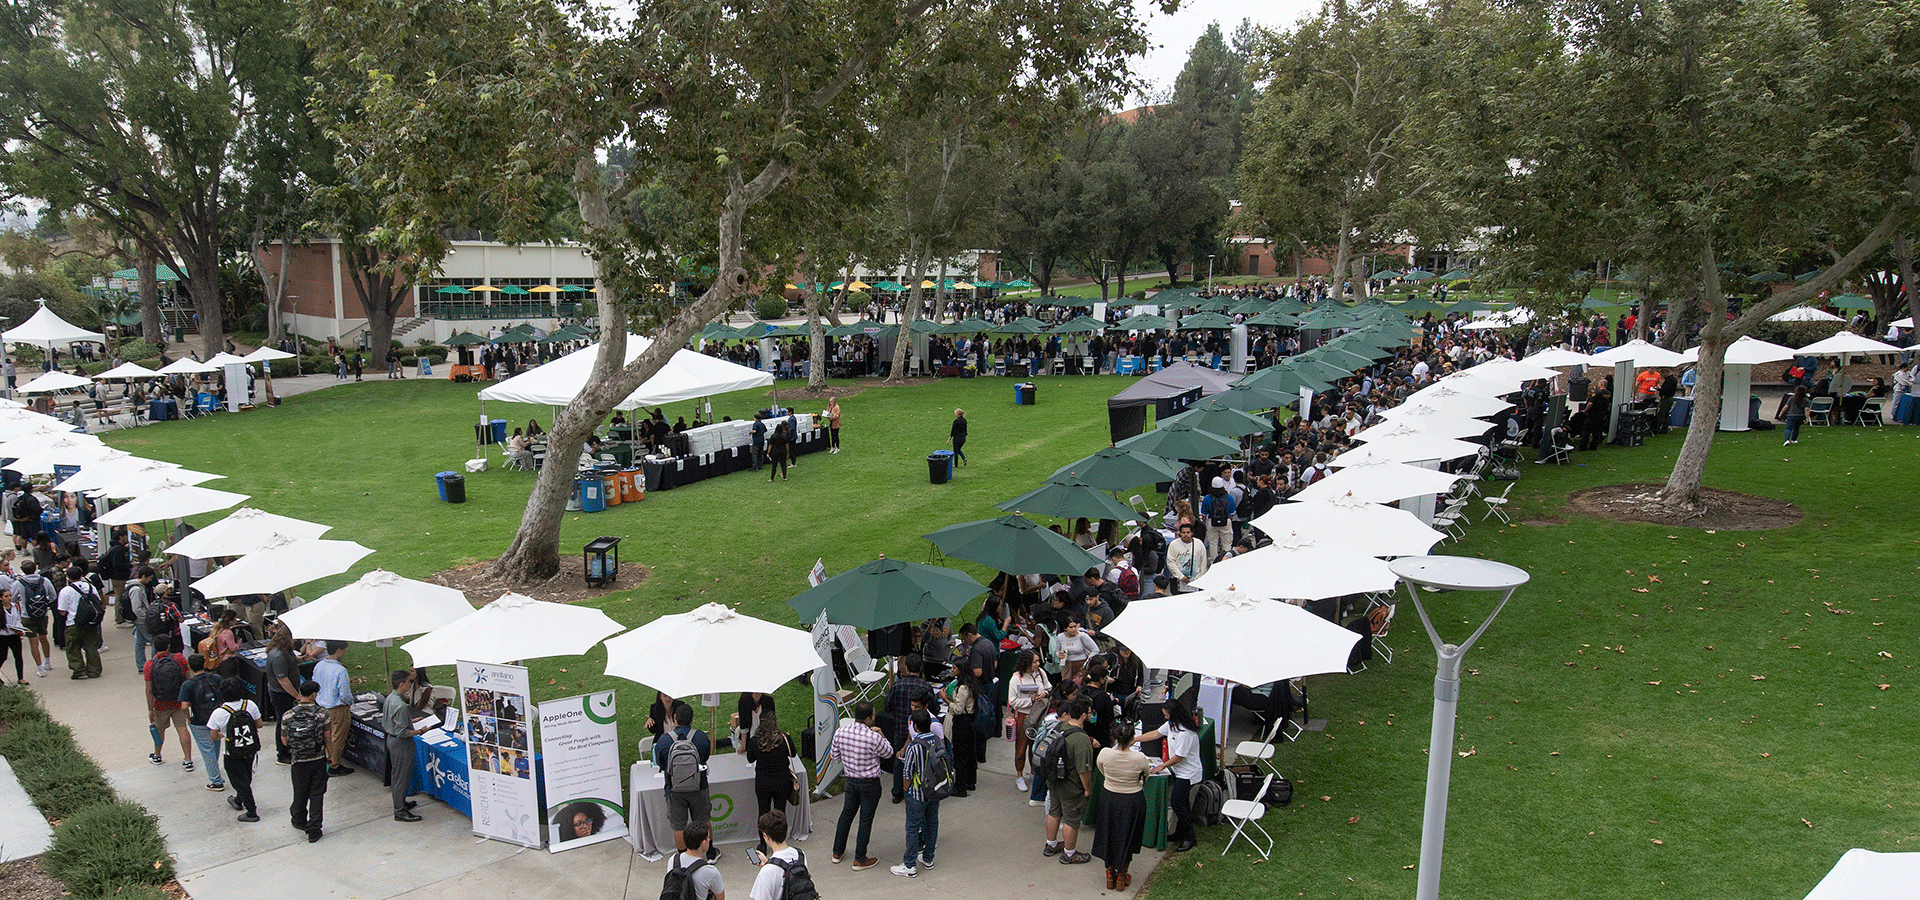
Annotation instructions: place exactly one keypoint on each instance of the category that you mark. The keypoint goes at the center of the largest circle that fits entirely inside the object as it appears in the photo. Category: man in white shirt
(1186, 556)
(770, 883)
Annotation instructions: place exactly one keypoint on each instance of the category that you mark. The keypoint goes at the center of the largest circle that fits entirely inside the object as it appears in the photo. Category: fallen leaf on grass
(1640, 590)
(1654, 683)
(1407, 868)
(1326, 799)
(1765, 755)
(1470, 751)
(1759, 677)
(1355, 820)
(1653, 579)
(1658, 841)
(1886, 654)
(1885, 686)
(1806, 823)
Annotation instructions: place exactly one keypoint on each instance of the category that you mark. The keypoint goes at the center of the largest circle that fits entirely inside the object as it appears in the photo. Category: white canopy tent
(687, 376)
(1869, 875)
(45, 329)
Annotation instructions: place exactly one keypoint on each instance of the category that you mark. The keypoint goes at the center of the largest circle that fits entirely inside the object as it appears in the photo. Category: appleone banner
(499, 733)
(580, 769)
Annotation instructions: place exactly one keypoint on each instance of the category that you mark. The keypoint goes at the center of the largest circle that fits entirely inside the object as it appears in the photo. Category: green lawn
(1767, 748)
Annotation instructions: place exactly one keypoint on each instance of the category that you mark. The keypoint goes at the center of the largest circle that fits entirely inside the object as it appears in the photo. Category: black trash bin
(1753, 409)
(453, 486)
(939, 466)
(1577, 389)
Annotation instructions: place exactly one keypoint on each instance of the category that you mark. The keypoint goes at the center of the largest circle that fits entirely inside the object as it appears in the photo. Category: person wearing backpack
(1182, 734)
(116, 566)
(151, 616)
(783, 871)
(237, 721)
(1218, 507)
(1068, 768)
(304, 729)
(929, 779)
(36, 599)
(681, 753)
(201, 693)
(85, 610)
(693, 876)
(162, 678)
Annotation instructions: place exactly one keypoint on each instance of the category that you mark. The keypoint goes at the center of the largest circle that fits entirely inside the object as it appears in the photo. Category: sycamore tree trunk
(817, 340)
(1682, 491)
(921, 253)
(534, 554)
(203, 263)
(1342, 257)
(1903, 260)
(146, 264)
(1679, 320)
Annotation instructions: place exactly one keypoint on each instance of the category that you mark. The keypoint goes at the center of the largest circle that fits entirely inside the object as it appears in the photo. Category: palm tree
(114, 307)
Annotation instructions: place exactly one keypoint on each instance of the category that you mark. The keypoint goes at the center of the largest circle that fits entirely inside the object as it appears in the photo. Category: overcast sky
(1173, 36)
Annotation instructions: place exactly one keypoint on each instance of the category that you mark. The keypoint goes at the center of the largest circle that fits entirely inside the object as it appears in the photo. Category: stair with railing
(402, 329)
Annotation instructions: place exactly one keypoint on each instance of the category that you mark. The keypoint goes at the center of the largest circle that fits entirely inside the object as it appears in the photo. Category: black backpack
(167, 678)
(36, 594)
(1205, 801)
(936, 770)
(204, 697)
(87, 611)
(305, 732)
(797, 883)
(679, 882)
(243, 732)
(160, 617)
(1219, 508)
(1057, 765)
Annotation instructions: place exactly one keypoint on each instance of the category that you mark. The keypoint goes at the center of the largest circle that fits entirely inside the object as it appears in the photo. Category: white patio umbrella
(712, 649)
(1804, 314)
(1506, 318)
(185, 366)
(170, 500)
(1640, 354)
(282, 563)
(1903, 323)
(16, 422)
(244, 531)
(55, 380)
(1869, 875)
(1351, 523)
(102, 472)
(1460, 403)
(1379, 481)
(266, 354)
(46, 329)
(1406, 448)
(65, 450)
(1845, 342)
(1558, 357)
(1233, 635)
(1450, 427)
(1418, 414)
(1295, 567)
(223, 358)
(151, 476)
(126, 370)
(513, 627)
(21, 447)
(1747, 351)
(379, 606)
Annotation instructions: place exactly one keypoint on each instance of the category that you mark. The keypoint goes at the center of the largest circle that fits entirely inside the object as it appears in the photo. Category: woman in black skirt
(1123, 805)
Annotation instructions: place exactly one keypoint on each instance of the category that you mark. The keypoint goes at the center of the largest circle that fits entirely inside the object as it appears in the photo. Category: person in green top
(1067, 799)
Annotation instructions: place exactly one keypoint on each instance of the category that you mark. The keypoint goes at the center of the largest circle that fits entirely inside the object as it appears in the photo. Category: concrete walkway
(989, 842)
(23, 830)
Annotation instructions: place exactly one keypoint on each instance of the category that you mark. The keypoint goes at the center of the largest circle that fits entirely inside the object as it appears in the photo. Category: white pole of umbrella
(1447, 573)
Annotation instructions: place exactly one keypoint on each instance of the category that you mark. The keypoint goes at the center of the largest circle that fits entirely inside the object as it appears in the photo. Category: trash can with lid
(1753, 409)
(593, 493)
(499, 431)
(1019, 394)
(1028, 394)
(453, 486)
(940, 466)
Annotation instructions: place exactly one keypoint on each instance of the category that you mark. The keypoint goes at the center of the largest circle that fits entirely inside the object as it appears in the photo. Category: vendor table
(440, 772)
(1155, 835)
(251, 668)
(678, 471)
(1903, 409)
(366, 739)
(730, 787)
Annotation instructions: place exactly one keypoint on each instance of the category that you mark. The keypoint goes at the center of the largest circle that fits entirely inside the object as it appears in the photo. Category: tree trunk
(381, 295)
(1342, 258)
(1360, 285)
(147, 264)
(910, 309)
(1678, 321)
(1903, 259)
(534, 554)
(204, 288)
(1682, 491)
(817, 342)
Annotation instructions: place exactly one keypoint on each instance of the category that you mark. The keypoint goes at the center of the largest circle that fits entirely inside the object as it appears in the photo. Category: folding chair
(1557, 450)
(1261, 751)
(1295, 727)
(1820, 411)
(1450, 519)
(1139, 504)
(1497, 506)
(1380, 623)
(871, 680)
(1874, 409)
(1249, 812)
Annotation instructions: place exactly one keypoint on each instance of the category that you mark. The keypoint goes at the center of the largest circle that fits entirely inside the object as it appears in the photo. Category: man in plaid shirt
(908, 686)
(859, 749)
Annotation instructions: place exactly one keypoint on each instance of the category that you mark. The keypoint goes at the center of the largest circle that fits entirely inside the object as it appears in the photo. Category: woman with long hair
(222, 644)
(1182, 734)
(1026, 695)
(770, 750)
(1123, 805)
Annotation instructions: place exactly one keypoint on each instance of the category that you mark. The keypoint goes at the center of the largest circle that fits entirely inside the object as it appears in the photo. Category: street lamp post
(1210, 257)
(1447, 573)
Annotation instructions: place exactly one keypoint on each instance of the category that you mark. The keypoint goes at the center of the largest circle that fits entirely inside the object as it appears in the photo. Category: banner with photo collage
(499, 734)
(580, 769)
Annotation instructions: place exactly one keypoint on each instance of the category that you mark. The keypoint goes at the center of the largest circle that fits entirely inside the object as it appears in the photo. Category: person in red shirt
(164, 711)
(1646, 386)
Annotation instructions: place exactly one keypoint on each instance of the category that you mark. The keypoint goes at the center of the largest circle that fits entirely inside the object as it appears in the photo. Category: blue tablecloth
(440, 772)
(1904, 409)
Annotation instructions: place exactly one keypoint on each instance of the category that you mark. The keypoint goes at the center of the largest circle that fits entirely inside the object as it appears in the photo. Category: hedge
(104, 848)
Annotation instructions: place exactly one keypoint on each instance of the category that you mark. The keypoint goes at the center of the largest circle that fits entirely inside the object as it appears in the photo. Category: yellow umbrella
(792, 287)
(860, 285)
(543, 289)
(927, 284)
(962, 286)
(483, 287)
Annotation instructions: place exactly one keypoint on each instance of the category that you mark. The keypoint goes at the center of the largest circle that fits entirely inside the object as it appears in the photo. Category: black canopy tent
(1168, 391)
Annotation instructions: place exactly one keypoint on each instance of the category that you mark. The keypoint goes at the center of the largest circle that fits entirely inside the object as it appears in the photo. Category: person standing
(336, 700)
(958, 434)
(1182, 734)
(860, 749)
(393, 364)
(151, 615)
(1027, 692)
(779, 449)
(771, 881)
(12, 628)
(1186, 557)
(396, 719)
(694, 865)
(1796, 414)
(757, 434)
(682, 753)
(1122, 816)
(80, 602)
(924, 758)
(305, 731)
(770, 751)
(908, 687)
(161, 681)
(36, 601)
(283, 680)
(116, 567)
(1067, 797)
(201, 693)
(238, 722)
(833, 425)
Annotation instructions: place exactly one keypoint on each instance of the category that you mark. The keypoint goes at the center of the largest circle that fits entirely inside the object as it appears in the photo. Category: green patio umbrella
(574, 289)
(1176, 440)
(1318, 369)
(892, 287)
(452, 289)
(1326, 316)
(1068, 496)
(1418, 304)
(1018, 326)
(967, 326)
(1289, 305)
(924, 326)
(1208, 321)
(1850, 301)
(515, 290)
(1591, 302)
(1251, 398)
(1079, 325)
(1384, 275)
(1020, 284)
(1115, 469)
(1338, 356)
(788, 331)
(1806, 277)
(1013, 544)
(716, 331)
(1284, 380)
(1471, 305)
(1144, 322)
(1770, 276)
(1218, 418)
(1252, 306)
(1274, 318)
(1213, 304)
(888, 592)
(1456, 275)
(1417, 275)
(515, 337)
(464, 339)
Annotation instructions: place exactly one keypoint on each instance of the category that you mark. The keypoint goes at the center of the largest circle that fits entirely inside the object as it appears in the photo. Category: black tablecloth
(366, 740)
(665, 475)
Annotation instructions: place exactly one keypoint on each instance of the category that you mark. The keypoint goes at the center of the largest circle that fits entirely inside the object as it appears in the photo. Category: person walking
(958, 434)
(161, 680)
(305, 732)
(833, 424)
(13, 628)
(927, 764)
(1797, 404)
(201, 693)
(237, 721)
(80, 601)
(396, 719)
(860, 749)
(779, 451)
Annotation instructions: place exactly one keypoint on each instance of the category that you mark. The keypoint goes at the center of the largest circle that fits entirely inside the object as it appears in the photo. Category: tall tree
(495, 100)
(137, 113)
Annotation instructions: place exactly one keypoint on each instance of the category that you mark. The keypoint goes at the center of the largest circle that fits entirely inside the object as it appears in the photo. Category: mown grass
(1579, 764)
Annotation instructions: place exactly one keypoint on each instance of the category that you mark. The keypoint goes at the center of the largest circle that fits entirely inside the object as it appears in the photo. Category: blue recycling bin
(453, 486)
(940, 466)
(499, 431)
(593, 493)
(1019, 395)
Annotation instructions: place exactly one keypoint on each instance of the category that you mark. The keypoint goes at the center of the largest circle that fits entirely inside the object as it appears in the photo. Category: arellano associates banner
(580, 767)
(500, 763)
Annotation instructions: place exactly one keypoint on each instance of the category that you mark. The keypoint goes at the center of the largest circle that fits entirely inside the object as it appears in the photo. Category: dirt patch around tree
(476, 579)
(27, 879)
(1720, 510)
(823, 392)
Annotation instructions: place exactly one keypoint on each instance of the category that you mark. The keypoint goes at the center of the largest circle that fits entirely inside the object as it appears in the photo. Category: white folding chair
(1451, 518)
(1380, 627)
(1261, 751)
(871, 680)
(1296, 725)
(1874, 409)
(1243, 813)
(1497, 506)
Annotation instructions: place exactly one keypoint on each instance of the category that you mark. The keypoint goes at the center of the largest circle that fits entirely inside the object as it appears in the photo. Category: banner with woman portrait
(580, 752)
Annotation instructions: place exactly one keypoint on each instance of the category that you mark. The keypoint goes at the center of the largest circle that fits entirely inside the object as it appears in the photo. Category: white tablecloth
(730, 790)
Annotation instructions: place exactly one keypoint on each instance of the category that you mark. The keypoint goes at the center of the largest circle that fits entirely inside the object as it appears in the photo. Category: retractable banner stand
(499, 733)
(826, 693)
(580, 768)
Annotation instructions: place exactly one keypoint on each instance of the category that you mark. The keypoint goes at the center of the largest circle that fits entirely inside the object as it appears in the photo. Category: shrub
(137, 350)
(18, 705)
(101, 849)
(137, 892)
(769, 307)
(60, 779)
